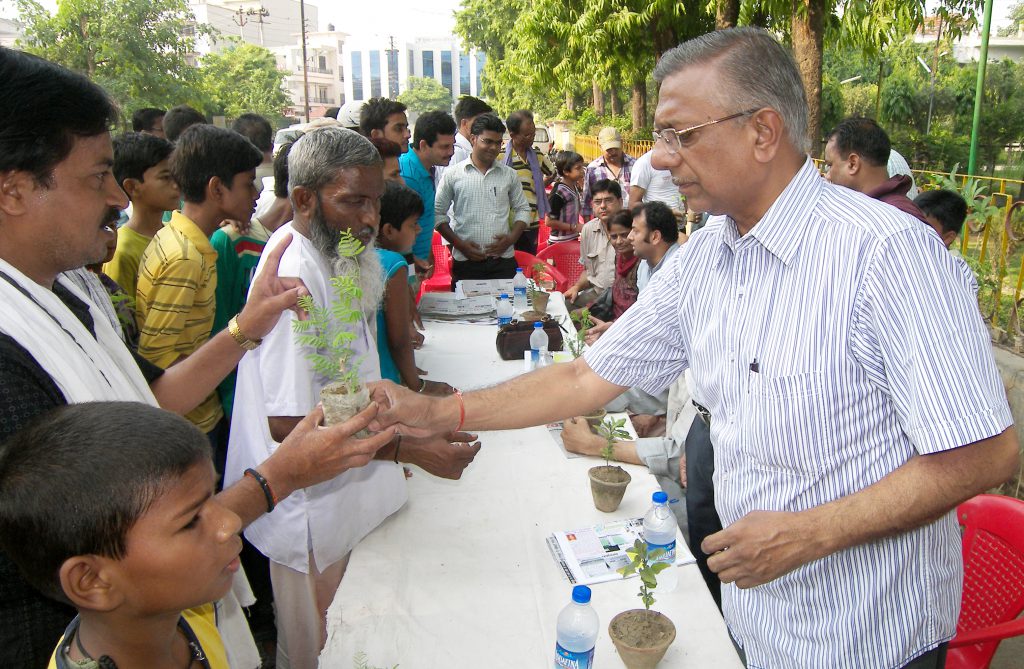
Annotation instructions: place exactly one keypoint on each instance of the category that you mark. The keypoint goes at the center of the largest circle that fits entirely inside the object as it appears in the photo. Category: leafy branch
(611, 430)
(326, 331)
(645, 564)
(583, 324)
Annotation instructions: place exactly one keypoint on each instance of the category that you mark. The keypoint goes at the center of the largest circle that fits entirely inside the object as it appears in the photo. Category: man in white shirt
(655, 238)
(647, 184)
(336, 184)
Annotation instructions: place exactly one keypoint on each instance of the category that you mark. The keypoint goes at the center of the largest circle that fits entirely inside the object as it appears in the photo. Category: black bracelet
(267, 491)
(398, 446)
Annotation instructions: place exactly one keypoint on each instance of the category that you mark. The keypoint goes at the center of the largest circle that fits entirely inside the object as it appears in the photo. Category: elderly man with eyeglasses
(845, 431)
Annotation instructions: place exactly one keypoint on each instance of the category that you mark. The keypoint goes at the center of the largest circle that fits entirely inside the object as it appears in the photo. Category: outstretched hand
(446, 457)
(270, 295)
(414, 414)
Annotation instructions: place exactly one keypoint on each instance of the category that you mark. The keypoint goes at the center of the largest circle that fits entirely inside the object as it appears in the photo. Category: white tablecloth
(462, 576)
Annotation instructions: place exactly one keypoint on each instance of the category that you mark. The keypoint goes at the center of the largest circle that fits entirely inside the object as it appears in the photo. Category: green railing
(994, 241)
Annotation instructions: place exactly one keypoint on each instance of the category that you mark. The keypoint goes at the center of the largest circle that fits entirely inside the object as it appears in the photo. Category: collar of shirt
(463, 142)
(411, 167)
(469, 164)
(775, 231)
(187, 227)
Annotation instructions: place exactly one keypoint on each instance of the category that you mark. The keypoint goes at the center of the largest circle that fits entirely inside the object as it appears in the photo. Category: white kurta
(277, 379)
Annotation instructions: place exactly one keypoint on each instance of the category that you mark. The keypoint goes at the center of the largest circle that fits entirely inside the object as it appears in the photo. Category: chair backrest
(442, 256)
(566, 257)
(543, 232)
(993, 553)
(527, 262)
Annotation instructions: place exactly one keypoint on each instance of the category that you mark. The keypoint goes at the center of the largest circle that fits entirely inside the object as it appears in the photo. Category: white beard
(371, 278)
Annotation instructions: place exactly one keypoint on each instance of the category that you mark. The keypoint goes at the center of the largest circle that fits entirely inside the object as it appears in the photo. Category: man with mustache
(56, 347)
(488, 205)
(336, 184)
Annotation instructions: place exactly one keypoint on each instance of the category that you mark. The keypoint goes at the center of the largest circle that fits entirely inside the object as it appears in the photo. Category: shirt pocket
(788, 424)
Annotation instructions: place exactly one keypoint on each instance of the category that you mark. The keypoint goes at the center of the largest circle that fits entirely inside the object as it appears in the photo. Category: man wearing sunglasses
(845, 432)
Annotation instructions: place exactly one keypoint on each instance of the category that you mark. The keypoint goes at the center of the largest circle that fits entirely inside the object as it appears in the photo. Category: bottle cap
(659, 497)
(519, 269)
(503, 296)
(537, 324)
(581, 594)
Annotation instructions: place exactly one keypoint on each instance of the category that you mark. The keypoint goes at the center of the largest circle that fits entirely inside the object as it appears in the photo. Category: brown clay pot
(641, 637)
(540, 301)
(608, 485)
(339, 405)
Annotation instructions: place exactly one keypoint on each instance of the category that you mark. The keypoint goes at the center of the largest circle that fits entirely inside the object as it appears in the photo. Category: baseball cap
(609, 138)
(348, 115)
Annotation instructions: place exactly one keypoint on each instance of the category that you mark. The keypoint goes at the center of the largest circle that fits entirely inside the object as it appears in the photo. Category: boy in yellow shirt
(117, 516)
(142, 169)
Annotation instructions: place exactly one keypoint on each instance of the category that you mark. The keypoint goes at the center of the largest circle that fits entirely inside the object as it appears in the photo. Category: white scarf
(95, 369)
(85, 368)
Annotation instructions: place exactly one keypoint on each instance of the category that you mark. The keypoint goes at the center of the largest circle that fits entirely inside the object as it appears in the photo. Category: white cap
(348, 115)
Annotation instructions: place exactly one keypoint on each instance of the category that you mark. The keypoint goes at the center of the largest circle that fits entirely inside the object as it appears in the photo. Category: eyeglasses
(674, 138)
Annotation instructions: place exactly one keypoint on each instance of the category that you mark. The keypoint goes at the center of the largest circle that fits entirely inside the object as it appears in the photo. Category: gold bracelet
(241, 339)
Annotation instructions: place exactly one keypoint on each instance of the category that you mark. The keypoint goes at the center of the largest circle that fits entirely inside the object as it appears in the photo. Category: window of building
(464, 74)
(357, 75)
(428, 64)
(375, 74)
(392, 73)
(446, 70)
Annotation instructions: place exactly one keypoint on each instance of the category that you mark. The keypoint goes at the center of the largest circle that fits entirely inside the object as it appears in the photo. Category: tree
(135, 49)
(1016, 17)
(426, 94)
(243, 78)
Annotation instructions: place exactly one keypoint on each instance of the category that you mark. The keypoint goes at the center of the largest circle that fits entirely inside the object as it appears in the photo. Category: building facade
(324, 69)
(269, 23)
(382, 66)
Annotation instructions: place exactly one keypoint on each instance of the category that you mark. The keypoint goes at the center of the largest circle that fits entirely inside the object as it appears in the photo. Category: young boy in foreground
(117, 516)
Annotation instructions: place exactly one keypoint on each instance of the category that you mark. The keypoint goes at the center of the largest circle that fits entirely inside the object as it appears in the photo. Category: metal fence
(992, 241)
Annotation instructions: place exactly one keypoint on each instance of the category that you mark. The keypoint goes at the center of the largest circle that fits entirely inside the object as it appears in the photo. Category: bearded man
(335, 185)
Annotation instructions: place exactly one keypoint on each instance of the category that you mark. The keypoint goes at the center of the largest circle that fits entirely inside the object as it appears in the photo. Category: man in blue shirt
(433, 143)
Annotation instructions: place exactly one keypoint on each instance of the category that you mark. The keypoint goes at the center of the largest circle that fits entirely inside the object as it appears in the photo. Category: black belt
(703, 412)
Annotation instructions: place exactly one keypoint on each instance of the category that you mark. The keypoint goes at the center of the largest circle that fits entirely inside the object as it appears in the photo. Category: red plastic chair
(565, 256)
(527, 261)
(441, 281)
(543, 232)
(993, 551)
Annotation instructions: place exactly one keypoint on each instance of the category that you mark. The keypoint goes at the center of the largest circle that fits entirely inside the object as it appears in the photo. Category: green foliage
(135, 49)
(327, 330)
(583, 323)
(640, 563)
(611, 430)
(426, 94)
(243, 78)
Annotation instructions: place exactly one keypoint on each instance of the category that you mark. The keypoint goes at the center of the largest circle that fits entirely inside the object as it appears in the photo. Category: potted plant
(329, 332)
(538, 298)
(581, 320)
(641, 635)
(607, 482)
(542, 276)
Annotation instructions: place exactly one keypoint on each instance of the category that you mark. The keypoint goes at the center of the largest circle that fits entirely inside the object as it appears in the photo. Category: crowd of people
(157, 405)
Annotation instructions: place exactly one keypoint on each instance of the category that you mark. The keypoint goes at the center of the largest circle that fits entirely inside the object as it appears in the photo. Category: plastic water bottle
(577, 632)
(519, 284)
(539, 345)
(660, 531)
(504, 310)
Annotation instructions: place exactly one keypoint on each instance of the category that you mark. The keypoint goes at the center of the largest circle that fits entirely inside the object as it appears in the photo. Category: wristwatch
(241, 339)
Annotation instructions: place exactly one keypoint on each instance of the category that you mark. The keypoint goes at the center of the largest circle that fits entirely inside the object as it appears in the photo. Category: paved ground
(1010, 655)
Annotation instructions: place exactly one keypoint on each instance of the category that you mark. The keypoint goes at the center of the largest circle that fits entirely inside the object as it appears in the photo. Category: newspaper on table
(479, 287)
(595, 554)
(447, 306)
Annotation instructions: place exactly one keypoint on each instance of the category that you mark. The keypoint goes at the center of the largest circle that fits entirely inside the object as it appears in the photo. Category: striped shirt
(599, 169)
(481, 203)
(869, 348)
(525, 173)
(175, 302)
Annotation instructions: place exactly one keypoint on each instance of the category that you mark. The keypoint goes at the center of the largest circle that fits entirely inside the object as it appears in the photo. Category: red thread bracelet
(462, 410)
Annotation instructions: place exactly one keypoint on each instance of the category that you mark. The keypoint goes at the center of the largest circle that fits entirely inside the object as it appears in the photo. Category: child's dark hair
(205, 151)
(281, 168)
(374, 114)
(398, 204)
(143, 119)
(135, 152)
(946, 206)
(179, 119)
(566, 160)
(256, 129)
(77, 479)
